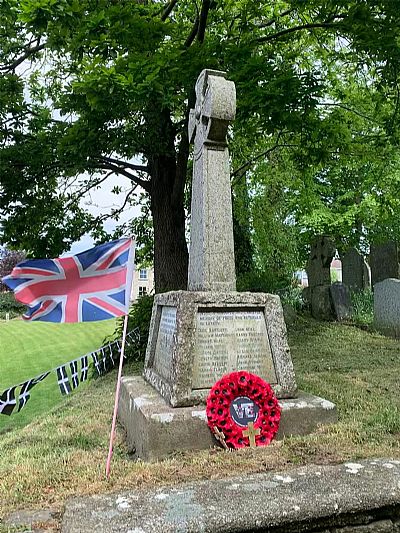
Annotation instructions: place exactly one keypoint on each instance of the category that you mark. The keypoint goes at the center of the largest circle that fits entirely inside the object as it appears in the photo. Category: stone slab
(309, 498)
(197, 337)
(47, 518)
(154, 429)
(387, 307)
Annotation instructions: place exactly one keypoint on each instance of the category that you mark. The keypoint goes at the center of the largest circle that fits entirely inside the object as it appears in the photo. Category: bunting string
(69, 375)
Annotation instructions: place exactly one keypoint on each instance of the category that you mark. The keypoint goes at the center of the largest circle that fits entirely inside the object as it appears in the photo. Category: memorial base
(196, 338)
(155, 430)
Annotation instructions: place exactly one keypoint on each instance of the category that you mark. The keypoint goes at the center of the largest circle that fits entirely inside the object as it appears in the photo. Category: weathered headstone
(355, 271)
(319, 262)
(341, 301)
(387, 306)
(384, 261)
(199, 335)
(319, 277)
(321, 303)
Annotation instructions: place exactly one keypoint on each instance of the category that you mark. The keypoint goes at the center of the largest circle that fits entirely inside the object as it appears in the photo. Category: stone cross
(251, 433)
(211, 256)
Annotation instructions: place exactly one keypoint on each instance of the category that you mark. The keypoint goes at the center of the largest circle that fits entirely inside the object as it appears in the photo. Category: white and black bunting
(18, 395)
(8, 401)
(26, 387)
(63, 380)
(84, 367)
(96, 362)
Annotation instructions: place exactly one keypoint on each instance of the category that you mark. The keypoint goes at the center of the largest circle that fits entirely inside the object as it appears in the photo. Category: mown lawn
(63, 453)
(30, 348)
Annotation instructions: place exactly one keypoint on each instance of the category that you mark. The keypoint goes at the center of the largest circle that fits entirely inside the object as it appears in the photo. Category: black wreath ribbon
(238, 384)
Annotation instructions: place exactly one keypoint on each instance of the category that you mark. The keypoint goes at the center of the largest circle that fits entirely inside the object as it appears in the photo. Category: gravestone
(355, 271)
(319, 262)
(341, 301)
(319, 277)
(387, 307)
(199, 335)
(384, 261)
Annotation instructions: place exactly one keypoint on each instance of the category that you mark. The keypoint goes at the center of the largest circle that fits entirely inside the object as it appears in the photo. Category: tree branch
(119, 170)
(343, 106)
(259, 156)
(192, 35)
(309, 26)
(205, 8)
(120, 209)
(21, 59)
(83, 190)
(168, 9)
(270, 22)
(124, 164)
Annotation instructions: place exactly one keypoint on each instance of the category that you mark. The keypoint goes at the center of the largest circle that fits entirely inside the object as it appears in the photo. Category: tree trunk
(168, 174)
(167, 163)
(171, 257)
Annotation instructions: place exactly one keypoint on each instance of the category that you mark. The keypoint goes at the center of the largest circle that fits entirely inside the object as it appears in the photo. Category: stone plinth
(154, 429)
(387, 307)
(197, 337)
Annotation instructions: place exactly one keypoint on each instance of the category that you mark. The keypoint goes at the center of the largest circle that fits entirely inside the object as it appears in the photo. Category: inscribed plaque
(227, 341)
(163, 351)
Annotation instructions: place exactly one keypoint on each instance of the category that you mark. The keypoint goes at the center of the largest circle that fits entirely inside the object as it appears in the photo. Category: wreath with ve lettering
(242, 410)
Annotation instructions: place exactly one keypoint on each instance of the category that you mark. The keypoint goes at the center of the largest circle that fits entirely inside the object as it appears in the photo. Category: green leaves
(317, 124)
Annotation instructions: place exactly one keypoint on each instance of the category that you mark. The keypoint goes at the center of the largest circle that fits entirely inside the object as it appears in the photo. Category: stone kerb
(184, 359)
(387, 307)
(354, 497)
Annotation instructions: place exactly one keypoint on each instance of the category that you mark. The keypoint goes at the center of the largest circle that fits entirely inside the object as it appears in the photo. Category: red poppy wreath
(242, 410)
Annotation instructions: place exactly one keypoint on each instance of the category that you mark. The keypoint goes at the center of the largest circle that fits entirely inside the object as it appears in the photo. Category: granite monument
(199, 335)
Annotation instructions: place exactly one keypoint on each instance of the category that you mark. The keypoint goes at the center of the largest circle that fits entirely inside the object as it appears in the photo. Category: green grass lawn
(63, 453)
(30, 348)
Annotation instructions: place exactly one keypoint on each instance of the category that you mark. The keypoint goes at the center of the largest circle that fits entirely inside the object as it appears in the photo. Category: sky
(101, 200)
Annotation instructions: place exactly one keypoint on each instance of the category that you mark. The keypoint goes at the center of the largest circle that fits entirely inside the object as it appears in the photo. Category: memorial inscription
(163, 351)
(231, 340)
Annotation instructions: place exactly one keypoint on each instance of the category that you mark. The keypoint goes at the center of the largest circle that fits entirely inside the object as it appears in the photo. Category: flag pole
(114, 420)
(121, 360)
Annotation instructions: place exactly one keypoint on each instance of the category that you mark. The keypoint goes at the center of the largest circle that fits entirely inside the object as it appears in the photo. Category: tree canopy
(91, 89)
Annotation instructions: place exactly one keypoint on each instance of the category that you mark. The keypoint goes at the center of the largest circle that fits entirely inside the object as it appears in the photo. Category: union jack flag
(92, 285)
